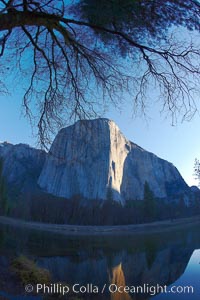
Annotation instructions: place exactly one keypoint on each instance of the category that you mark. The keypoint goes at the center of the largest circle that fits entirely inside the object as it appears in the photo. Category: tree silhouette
(197, 170)
(76, 56)
(3, 191)
(149, 203)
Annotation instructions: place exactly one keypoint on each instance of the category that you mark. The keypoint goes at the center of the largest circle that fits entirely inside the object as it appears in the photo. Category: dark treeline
(42, 207)
(47, 208)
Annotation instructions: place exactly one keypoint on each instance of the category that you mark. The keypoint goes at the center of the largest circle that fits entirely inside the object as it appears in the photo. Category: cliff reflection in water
(126, 260)
(116, 277)
(190, 278)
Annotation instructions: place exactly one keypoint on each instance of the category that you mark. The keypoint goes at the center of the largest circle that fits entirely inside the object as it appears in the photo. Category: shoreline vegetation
(88, 230)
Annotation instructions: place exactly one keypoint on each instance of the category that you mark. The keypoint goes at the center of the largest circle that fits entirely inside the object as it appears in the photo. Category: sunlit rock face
(86, 159)
(94, 159)
(22, 165)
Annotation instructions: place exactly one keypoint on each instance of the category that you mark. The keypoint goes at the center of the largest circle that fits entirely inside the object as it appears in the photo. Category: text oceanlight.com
(58, 288)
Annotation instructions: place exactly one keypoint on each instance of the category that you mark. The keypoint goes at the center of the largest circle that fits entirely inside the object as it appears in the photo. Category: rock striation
(94, 159)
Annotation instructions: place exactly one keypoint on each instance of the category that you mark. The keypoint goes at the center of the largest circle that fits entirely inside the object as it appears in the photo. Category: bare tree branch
(78, 64)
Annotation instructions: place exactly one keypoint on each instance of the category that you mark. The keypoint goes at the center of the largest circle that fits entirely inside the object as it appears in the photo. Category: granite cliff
(22, 166)
(94, 159)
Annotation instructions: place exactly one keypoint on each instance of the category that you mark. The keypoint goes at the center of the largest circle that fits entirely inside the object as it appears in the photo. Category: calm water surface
(169, 259)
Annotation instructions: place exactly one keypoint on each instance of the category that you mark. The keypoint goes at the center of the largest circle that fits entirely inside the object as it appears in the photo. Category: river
(153, 266)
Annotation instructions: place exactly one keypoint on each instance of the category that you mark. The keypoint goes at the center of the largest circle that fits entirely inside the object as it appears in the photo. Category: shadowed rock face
(94, 159)
(22, 165)
(162, 177)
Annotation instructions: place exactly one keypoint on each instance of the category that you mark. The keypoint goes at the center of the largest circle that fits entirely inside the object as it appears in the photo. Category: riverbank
(64, 229)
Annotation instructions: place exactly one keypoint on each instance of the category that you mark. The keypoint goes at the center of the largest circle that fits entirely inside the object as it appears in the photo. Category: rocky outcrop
(86, 159)
(22, 165)
(94, 159)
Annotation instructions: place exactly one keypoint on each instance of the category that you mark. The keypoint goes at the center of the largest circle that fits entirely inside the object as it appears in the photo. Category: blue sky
(178, 144)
